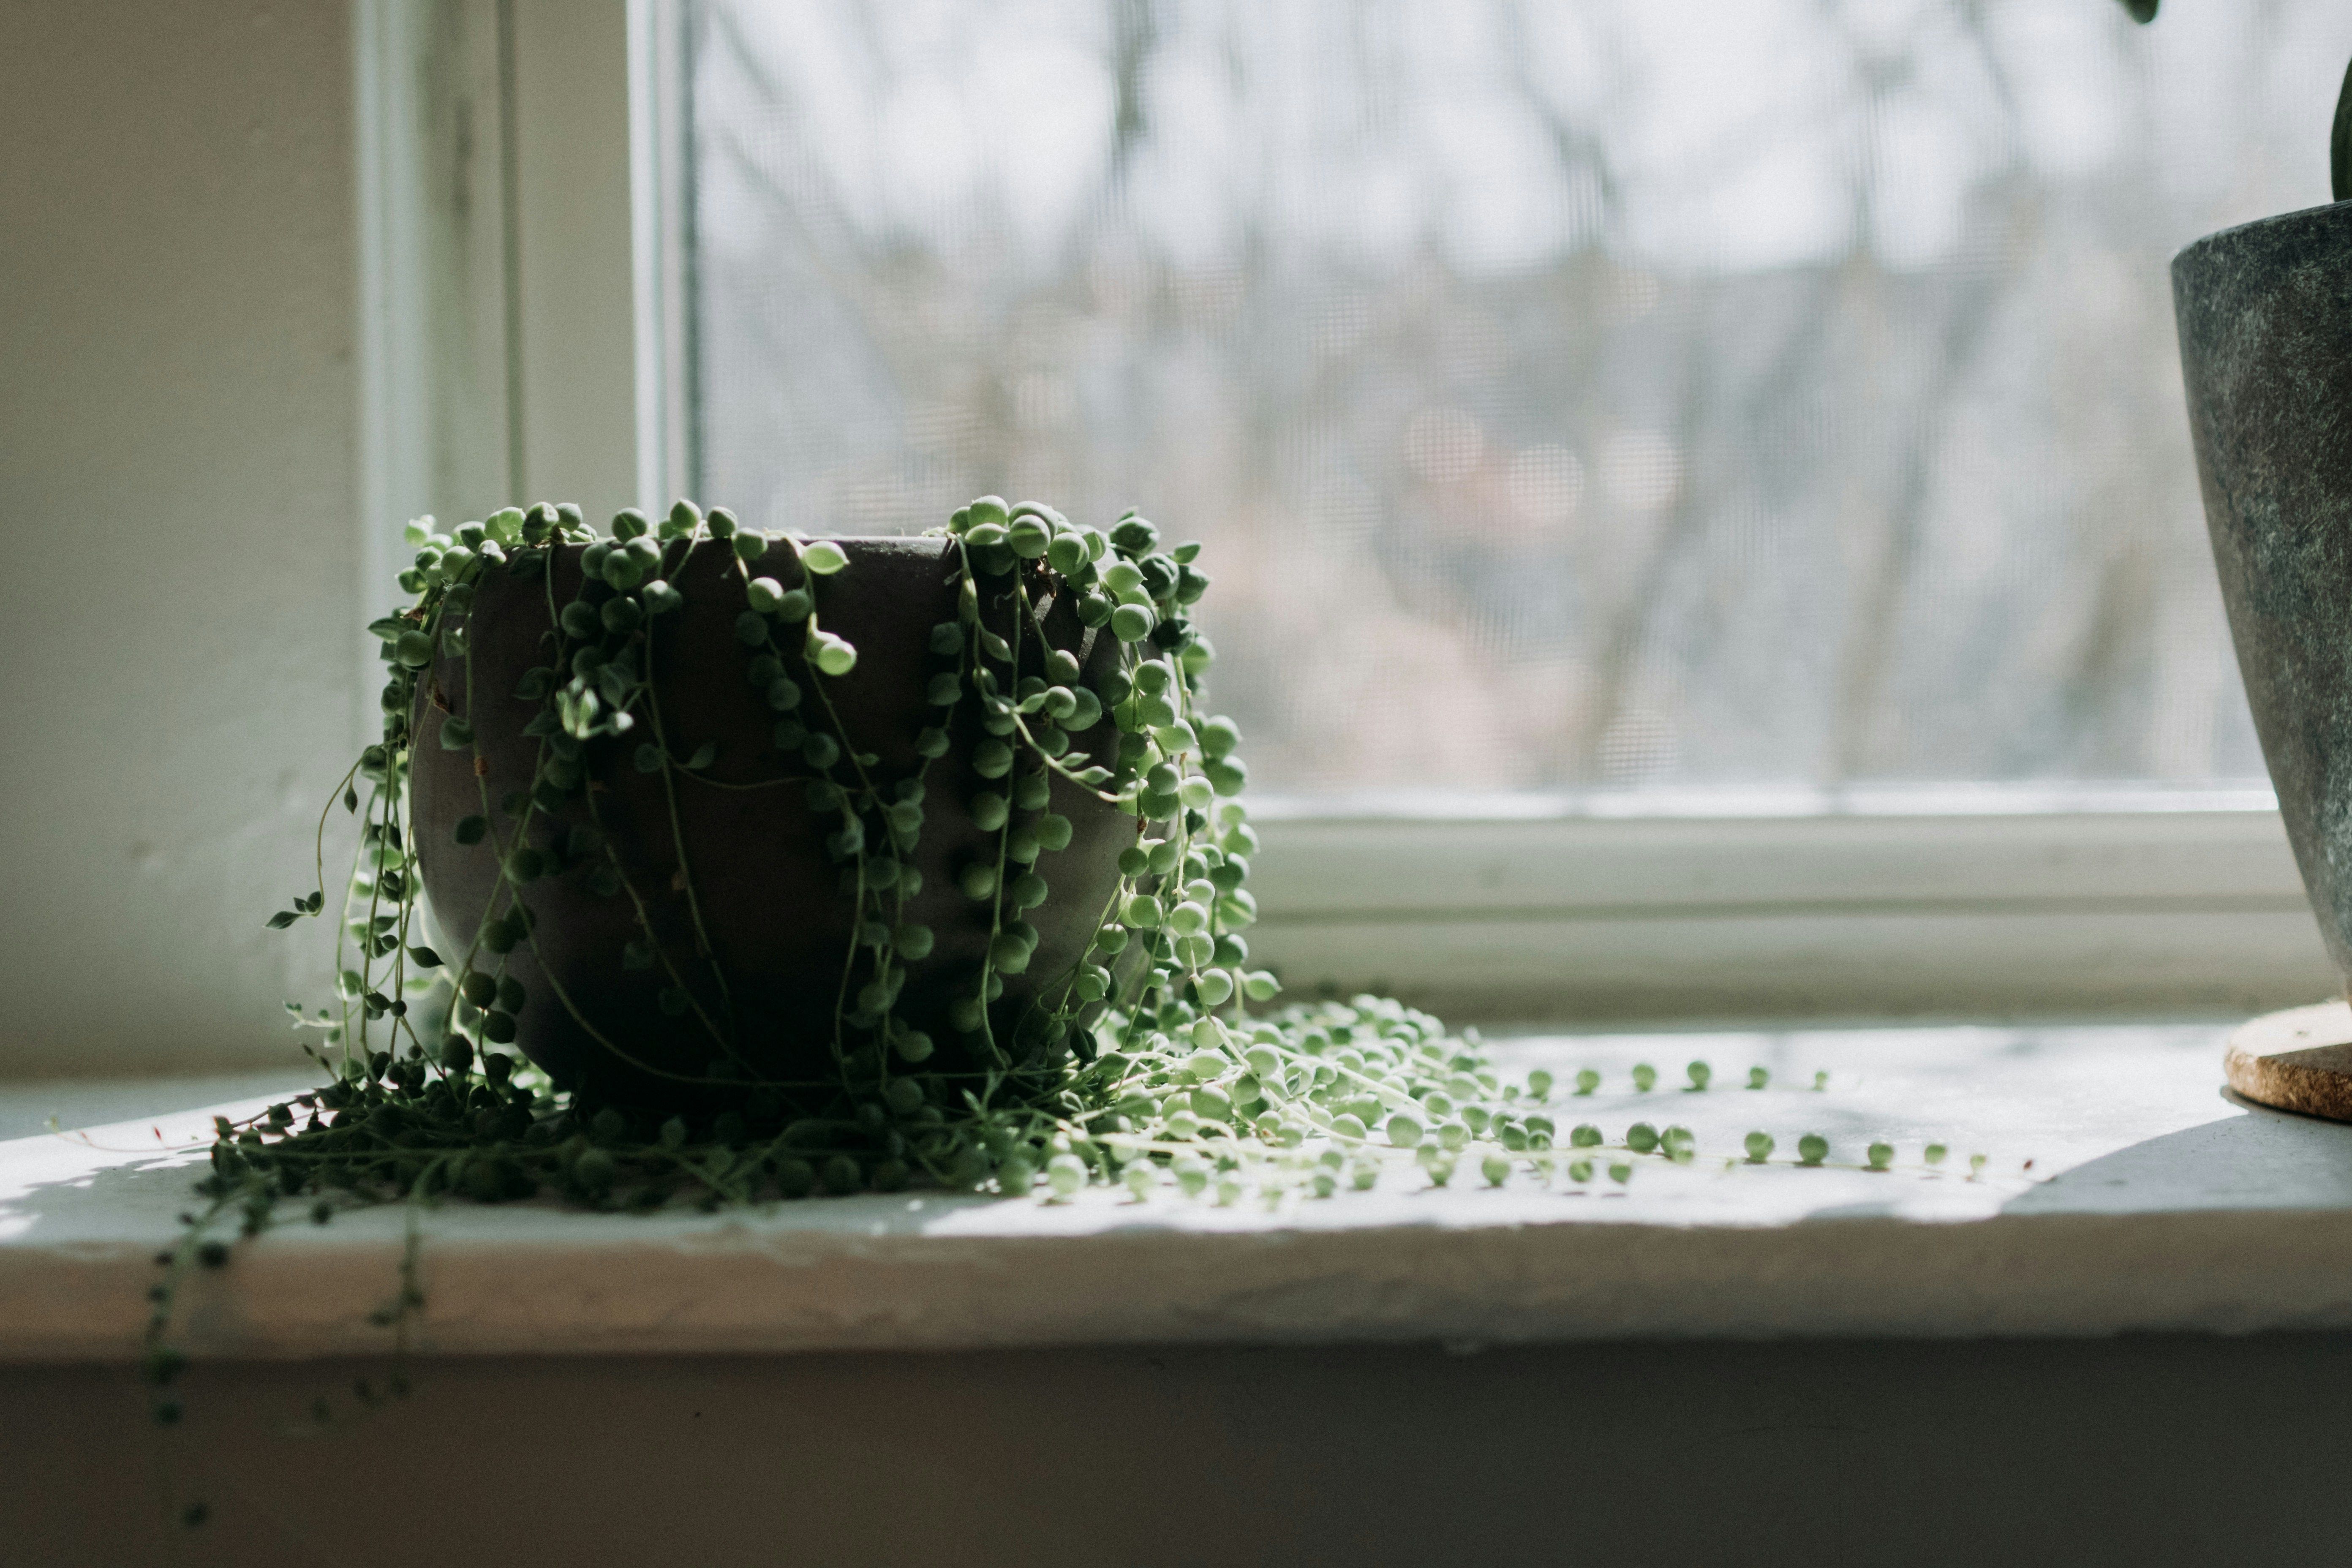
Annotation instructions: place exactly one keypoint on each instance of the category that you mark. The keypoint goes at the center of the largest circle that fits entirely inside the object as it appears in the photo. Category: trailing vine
(1147, 1064)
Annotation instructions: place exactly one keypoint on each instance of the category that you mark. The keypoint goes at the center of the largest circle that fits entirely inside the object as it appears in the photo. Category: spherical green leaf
(831, 654)
(1134, 536)
(1029, 537)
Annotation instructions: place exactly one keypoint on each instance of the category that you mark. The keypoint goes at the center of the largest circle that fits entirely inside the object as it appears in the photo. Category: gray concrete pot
(2265, 320)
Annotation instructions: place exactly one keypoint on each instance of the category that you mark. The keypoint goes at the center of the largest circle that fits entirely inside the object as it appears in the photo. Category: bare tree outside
(1591, 392)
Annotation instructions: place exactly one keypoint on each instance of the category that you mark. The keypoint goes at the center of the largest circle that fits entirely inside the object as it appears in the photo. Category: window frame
(525, 291)
(1895, 901)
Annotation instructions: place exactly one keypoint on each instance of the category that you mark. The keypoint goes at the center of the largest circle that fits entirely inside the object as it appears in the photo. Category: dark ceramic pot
(778, 919)
(2265, 321)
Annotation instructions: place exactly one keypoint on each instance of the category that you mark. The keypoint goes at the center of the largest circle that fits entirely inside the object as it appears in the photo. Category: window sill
(2153, 1203)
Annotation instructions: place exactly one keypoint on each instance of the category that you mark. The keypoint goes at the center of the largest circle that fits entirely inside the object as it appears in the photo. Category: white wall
(178, 474)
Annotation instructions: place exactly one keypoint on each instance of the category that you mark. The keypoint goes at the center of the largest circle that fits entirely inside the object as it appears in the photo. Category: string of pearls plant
(1143, 1068)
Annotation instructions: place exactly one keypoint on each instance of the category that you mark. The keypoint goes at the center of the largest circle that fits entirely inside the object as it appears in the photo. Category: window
(1700, 497)
(1570, 395)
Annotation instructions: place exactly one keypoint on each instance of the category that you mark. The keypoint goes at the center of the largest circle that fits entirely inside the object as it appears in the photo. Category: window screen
(1579, 393)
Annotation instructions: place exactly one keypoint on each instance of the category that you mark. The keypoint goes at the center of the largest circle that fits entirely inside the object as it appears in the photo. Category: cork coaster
(2300, 1059)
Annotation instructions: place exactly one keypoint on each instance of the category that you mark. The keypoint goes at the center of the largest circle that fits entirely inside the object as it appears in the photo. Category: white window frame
(528, 340)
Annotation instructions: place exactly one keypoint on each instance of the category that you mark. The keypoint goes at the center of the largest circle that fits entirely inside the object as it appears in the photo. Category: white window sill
(2153, 1203)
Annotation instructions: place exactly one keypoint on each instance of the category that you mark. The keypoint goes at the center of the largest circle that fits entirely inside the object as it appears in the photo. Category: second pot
(2266, 323)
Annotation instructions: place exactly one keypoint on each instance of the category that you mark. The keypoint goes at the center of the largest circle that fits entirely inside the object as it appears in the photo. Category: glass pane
(1569, 394)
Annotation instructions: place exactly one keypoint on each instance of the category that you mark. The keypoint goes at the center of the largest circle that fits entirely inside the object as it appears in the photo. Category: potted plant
(832, 854)
(699, 862)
